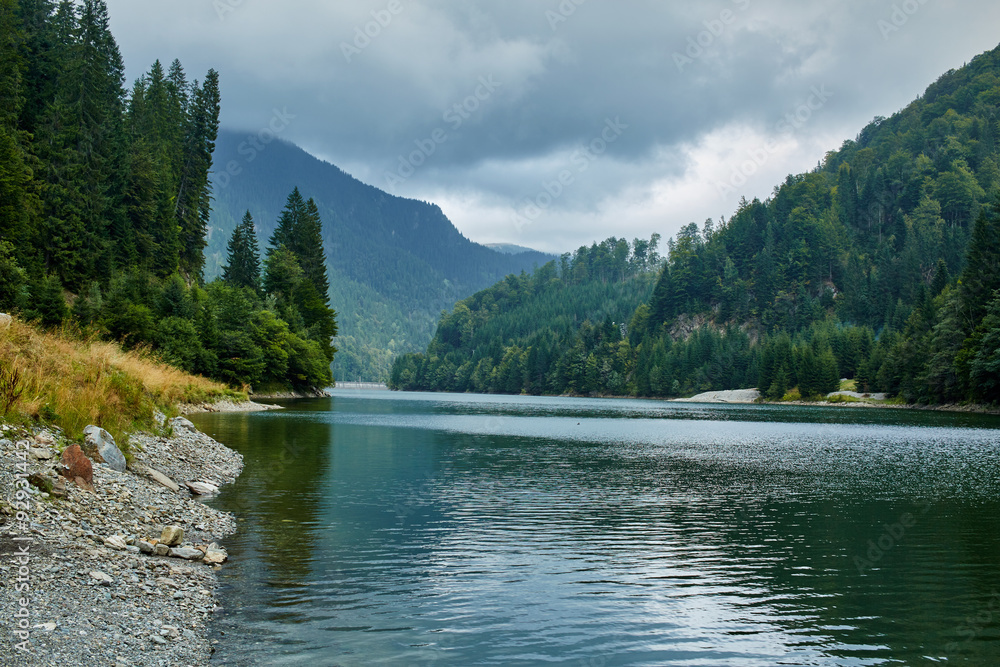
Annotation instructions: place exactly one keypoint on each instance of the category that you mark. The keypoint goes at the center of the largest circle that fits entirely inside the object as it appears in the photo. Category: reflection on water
(426, 529)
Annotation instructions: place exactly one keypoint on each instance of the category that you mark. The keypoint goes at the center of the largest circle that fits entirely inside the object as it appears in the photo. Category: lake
(381, 528)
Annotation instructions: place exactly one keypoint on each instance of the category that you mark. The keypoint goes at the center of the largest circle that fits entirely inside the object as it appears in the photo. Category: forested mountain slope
(394, 263)
(880, 265)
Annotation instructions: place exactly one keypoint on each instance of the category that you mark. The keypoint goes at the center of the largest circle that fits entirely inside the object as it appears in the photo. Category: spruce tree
(286, 231)
(243, 267)
(308, 246)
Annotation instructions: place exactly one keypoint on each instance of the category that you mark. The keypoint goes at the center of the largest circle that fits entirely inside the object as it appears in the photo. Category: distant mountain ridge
(394, 263)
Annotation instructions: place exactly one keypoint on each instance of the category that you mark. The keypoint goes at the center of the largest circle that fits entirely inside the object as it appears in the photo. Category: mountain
(394, 263)
(881, 266)
(525, 333)
(508, 248)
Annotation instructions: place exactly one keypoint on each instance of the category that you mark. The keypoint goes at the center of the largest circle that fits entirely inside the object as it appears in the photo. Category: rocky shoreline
(120, 569)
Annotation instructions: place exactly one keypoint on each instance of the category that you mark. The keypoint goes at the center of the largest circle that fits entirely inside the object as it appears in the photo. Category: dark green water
(388, 529)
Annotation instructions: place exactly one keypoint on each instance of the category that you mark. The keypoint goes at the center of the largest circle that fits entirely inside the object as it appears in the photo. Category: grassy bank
(62, 379)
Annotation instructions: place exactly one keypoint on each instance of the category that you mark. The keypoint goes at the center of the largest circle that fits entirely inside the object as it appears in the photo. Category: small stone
(172, 536)
(144, 547)
(187, 553)
(132, 549)
(101, 578)
(116, 542)
(157, 639)
(160, 478)
(202, 488)
(161, 550)
(5, 321)
(178, 595)
(41, 453)
(170, 631)
(215, 555)
(48, 627)
(46, 439)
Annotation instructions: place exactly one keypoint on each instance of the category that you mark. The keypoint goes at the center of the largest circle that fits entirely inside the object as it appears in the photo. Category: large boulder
(101, 441)
(77, 467)
(5, 321)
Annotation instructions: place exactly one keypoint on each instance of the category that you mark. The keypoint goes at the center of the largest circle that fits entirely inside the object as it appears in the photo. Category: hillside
(526, 333)
(878, 266)
(394, 263)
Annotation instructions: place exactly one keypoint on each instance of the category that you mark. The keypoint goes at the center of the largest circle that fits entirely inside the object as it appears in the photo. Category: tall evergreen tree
(243, 267)
(194, 195)
(286, 231)
(308, 246)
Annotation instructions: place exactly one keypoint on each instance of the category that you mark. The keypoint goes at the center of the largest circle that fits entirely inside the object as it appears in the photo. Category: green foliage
(107, 194)
(243, 268)
(559, 330)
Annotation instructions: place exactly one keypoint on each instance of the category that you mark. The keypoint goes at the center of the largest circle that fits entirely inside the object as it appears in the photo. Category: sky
(556, 123)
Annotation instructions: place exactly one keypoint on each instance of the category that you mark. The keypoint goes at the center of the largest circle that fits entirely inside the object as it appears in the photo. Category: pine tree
(243, 267)
(194, 195)
(286, 231)
(308, 246)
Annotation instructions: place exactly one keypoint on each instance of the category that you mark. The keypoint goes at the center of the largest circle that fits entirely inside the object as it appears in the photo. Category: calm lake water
(416, 529)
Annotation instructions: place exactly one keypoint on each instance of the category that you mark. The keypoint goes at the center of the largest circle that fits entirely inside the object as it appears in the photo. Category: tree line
(105, 200)
(878, 266)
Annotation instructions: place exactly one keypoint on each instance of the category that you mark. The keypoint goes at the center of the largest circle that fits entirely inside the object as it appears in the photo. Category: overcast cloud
(646, 111)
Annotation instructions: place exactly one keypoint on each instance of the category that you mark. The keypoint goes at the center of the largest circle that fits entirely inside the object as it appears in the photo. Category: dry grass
(73, 382)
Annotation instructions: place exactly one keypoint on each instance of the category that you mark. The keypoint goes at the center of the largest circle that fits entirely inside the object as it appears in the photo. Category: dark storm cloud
(490, 100)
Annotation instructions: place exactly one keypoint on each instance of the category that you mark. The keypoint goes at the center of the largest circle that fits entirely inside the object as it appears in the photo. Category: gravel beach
(122, 572)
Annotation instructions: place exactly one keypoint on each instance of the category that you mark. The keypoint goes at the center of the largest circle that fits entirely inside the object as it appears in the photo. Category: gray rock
(101, 578)
(161, 550)
(105, 445)
(41, 453)
(145, 547)
(215, 555)
(202, 488)
(182, 424)
(116, 542)
(159, 478)
(157, 639)
(5, 321)
(187, 553)
(172, 536)
(45, 439)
